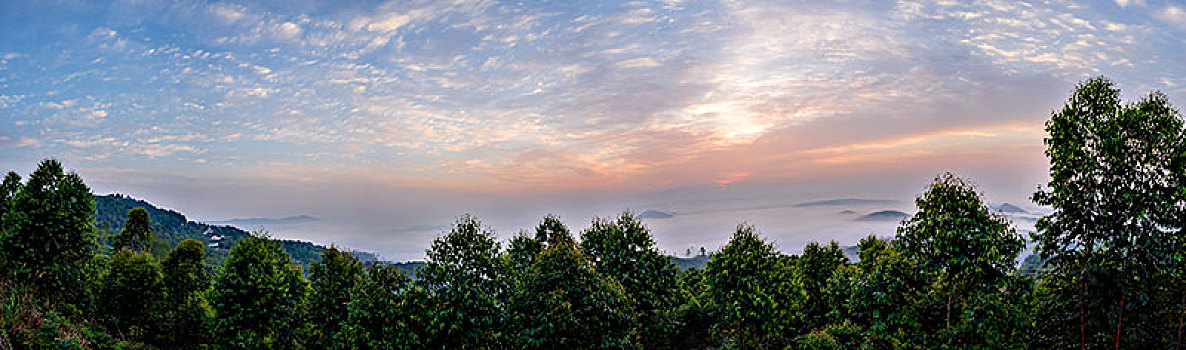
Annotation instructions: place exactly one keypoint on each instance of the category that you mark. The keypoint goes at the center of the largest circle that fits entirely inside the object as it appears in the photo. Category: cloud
(483, 95)
(641, 62)
(1173, 14)
(1126, 3)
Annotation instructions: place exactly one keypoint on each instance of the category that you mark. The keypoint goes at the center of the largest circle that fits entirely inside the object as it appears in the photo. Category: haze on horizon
(387, 120)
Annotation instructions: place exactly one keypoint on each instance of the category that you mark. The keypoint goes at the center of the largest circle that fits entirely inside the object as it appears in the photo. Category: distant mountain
(884, 215)
(847, 202)
(655, 214)
(1009, 208)
(252, 222)
(847, 212)
(170, 227)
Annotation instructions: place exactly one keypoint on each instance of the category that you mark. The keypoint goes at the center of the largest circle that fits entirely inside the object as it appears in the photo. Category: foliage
(331, 279)
(137, 232)
(883, 295)
(967, 248)
(693, 318)
(188, 314)
(170, 228)
(562, 302)
(754, 292)
(48, 235)
(623, 249)
(386, 311)
(1116, 187)
(257, 296)
(462, 276)
(816, 266)
(132, 295)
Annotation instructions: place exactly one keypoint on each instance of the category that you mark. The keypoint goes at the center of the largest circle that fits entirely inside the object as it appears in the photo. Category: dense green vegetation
(169, 228)
(1112, 273)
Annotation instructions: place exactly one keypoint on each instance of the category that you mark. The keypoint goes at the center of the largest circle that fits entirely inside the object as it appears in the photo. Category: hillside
(170, 228)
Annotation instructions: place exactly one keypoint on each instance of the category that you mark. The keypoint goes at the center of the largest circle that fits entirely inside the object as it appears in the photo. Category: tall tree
(462, 275)
(49, 237)
(331, 280)
(969, 247)
(137, 232)
(564, 303)
(1116, 179)
(8, 189)
(884, 294)
(257, 296)
(623, 249)
(387, 311)
(816, 266)
(132, 295)
(185, 278)
(754, 292)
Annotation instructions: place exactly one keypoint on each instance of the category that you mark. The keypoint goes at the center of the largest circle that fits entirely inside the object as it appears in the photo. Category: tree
(968, 247)
(1116, 179)
(137, 232)
(816, 267)
(257, 296)
(185, 278)
(623, 249)
(49, 237)
(884, 293)
(754, 292)
(331, 279)
(564, 303)
(462, 275)
(387, 311)
(132, 295)
(694, 321)
(8, 190)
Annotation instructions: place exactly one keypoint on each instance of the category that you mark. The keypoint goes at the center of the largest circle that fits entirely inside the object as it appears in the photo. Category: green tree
(332, 278)
(257, 296)
(564, 303)
(623, 249)
(137, 232)
(694, 321)
(1116, 180)
(8, 190)
(188, 313)
(387, 311)
(968, 247)
(49, 237)
(462, 276)
(816, 266)
(884, 293)
(132, 294)
(754, 291)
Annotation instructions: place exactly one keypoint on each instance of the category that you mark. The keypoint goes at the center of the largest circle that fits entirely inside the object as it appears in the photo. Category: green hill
(170, 228)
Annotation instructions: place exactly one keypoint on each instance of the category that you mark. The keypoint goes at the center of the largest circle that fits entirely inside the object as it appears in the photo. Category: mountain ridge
(171, 227)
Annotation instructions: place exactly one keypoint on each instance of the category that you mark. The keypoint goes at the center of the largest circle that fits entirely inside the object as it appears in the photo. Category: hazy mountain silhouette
(884, 215)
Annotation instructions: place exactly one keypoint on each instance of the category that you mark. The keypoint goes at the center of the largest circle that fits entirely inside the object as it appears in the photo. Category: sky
(388, 120)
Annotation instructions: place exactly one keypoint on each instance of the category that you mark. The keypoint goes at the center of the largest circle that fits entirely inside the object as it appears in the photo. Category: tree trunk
(1082, 319)
(1120, 320)
(949, 310)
